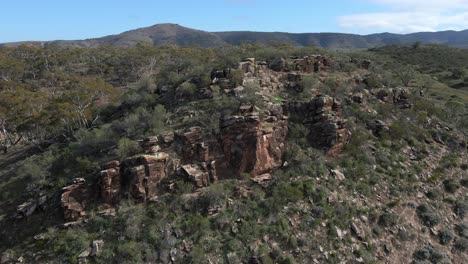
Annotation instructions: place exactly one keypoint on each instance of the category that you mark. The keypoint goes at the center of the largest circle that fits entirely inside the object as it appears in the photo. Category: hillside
(241, 154)
(173, 34)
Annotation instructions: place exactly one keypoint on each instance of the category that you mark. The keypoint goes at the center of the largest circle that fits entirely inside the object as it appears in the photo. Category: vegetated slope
(448, 65)
(291, 157)
(173, 34)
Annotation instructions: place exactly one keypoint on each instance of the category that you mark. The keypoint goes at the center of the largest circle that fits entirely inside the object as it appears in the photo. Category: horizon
(168, 23)
(55, 20)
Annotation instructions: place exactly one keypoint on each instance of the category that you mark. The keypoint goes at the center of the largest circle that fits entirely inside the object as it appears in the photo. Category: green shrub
(427, 215)
(462, 229)
(446, 236)
(451, 185)
(129, 252)
(461, 244)
(388, 219)
(127, 147)
(464, 182)
(70, 244)
(461, 208)
(430, 254)
(212, 197)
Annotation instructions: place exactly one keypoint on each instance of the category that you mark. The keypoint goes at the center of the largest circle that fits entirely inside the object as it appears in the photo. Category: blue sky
(61, 19)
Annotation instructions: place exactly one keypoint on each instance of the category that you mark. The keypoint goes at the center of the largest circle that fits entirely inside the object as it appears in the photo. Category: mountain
(173, 34)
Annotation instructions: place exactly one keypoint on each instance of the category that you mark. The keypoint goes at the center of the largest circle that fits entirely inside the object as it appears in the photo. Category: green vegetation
(65, 111)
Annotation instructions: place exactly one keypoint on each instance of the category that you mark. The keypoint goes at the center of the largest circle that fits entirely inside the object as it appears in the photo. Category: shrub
(129, 252)
(462, 229)
(127, 147)
(212, 197)
(446, 236)
(428, 253)
(427, 215)
(461, 208)
(461, 244)
(70, 243)
(388, 219)
(464, 182)
(36, 168)
(451, 185)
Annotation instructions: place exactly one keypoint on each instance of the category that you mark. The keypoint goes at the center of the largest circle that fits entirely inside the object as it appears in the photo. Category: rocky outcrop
(397, 96)
(248, 66)
(138, 177)
(75, 199)
(251, 144)
(110, 182)
(323, 117)
(199, 175)
(308, 64)
(142, 174)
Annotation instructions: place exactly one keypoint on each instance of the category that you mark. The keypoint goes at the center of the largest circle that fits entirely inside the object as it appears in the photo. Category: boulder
(110, 183)
(150, 145)
(26, 209)
(110, 165)
(401, 98)
(279, 65)
(196, 174)
(74, 200)
(96, 247)
(378, 127)
(358, 98)
(142, 174)
(305, 64)
(248, 66)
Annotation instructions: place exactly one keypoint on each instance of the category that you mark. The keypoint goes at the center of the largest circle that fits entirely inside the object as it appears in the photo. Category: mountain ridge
(174, 34)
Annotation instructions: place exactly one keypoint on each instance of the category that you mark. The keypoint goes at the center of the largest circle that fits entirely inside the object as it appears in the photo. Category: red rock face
(251, 144)
(110, 182)
(74, 201)
(142, 174)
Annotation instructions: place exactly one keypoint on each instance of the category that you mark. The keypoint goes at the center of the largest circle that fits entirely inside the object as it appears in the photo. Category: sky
(22, 20)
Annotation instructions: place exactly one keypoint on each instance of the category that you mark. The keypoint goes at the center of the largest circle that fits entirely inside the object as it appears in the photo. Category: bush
(36, 169)
(428, 253)
(427, 215)
(446, 236)
(461, 208)
(70, 244)
(464, 182)
(462, 229)
(451, 185)
(141, 122)
(461, 244)
(213, 197)
(129, 252)
(388, 219)
(127, 147)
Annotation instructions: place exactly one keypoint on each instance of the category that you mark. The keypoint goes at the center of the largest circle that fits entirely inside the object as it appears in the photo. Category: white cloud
(410, 16)
(422, 5)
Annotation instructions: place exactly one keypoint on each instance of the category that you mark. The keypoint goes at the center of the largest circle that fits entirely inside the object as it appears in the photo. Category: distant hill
(173, 34)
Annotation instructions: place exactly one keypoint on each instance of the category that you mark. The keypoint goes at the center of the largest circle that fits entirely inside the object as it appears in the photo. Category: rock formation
(74, 200)
(252, 144)
(142, 174)
(110, 182)
(323, 117)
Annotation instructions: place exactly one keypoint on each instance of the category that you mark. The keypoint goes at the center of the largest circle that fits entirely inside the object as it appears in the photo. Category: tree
(74, 104)
(21, 115)
(10, 68)
(405, 73)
